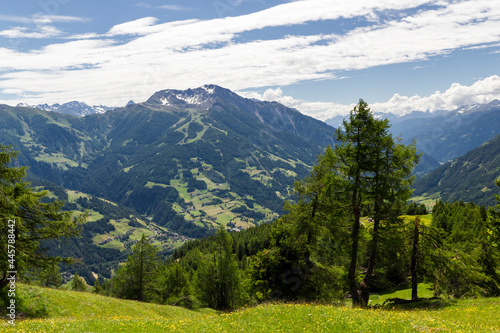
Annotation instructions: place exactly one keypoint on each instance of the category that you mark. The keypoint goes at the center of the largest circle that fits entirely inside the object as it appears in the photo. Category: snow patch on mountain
(75, 108)
(195, 99)
(209, 89)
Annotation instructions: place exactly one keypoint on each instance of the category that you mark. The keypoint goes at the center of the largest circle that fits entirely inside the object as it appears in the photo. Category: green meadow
(69, 311)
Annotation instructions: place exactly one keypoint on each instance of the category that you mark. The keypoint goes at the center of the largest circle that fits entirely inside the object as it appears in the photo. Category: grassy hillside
(84, 312)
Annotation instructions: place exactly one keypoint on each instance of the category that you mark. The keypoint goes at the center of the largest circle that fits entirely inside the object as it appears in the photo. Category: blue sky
(319, 56)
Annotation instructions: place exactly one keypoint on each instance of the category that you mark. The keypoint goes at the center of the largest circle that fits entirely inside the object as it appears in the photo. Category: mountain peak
(202, 97)
(478, 107)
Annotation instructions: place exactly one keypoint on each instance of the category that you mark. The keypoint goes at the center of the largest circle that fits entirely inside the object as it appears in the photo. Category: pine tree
(26, 222)
(51, 276)
(135, 279)
(459, 251)
(389, 189)
(97, 287)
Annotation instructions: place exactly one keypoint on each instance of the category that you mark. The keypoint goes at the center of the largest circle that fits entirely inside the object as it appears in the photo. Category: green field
(427, 200)
(94, 216)
(67, 311)
(203, 213)
(423, 291)
(424, 219)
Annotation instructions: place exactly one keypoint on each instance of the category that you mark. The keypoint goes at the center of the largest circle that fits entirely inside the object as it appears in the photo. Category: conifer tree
(135, 279)
(51, 276)
(97, 287)
(373, 173)
(26, 221)
(219, 280)
(78, 283)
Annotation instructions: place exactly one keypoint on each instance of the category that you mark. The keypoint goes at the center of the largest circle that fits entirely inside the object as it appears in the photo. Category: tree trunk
(414, 257)
(141, 277)
(353, 286)
(366, 283)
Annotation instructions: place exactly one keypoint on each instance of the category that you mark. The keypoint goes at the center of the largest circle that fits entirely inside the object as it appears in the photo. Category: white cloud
(45, 31)
(138, 27)
(318, 110)
(175, 7)
(480, 92)
(42, 19)
(143, 4)
(36, 26)
(49, 19)
(166, 7)
(183, 54)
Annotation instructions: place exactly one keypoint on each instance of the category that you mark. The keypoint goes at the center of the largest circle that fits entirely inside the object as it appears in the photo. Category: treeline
(209, 272)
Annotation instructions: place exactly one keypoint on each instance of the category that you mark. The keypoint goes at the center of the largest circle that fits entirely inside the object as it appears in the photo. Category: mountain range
(444, 135)
(74, 108)
(186, 160)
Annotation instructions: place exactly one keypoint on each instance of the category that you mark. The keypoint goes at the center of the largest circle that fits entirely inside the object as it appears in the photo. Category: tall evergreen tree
(375, 173)
(389, 189)
(26, 222)
(135, 279)
(461, 256)
(50, 276)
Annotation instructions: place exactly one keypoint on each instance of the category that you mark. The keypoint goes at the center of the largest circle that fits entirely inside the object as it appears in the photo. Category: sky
(318, 56)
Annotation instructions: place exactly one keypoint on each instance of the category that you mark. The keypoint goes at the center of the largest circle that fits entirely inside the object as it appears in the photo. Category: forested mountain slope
(188, 160)
(470, 177)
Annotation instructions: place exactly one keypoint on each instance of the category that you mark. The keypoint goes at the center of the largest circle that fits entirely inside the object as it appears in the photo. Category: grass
(428, 200)
(423, 291)
(137, 234)
(204, 213)
(73, 195)
(151, 184)
(114, 244)
(99, 238)
(94, 216)
(121, 226)
(57, 158)
(68, 311)
(424, 219)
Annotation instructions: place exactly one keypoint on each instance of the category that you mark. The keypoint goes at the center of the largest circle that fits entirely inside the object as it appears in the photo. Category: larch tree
(375, 176)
